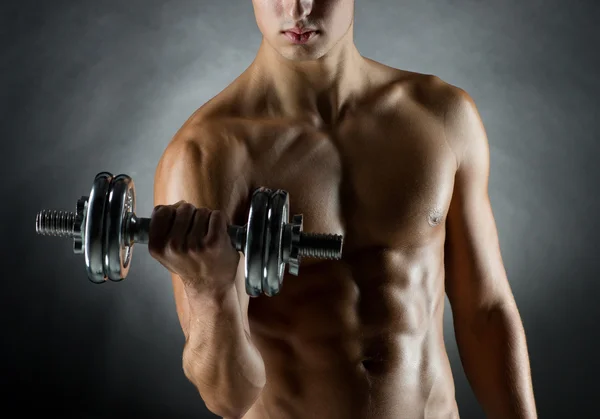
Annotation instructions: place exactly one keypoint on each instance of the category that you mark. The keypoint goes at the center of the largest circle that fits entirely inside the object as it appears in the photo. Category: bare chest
(385, 184)
(380, 182)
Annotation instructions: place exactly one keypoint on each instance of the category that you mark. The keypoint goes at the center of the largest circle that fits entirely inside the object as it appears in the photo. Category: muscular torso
(360, 337)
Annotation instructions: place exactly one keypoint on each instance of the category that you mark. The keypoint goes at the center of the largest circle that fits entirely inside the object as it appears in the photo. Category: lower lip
(300, 39)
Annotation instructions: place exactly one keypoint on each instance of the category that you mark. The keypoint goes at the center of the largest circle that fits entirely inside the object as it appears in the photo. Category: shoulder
(436, 96)
(204, 163)
(450, 106)
(459, 115)
(441, 103)
(463, 127)
(209, 154)
(203, 141)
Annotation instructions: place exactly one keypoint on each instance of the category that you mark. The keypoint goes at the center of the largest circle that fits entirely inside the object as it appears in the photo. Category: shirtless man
(395, 161)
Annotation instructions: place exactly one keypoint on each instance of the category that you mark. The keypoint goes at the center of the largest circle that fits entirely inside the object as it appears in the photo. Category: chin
(302, 52)
(300, 56)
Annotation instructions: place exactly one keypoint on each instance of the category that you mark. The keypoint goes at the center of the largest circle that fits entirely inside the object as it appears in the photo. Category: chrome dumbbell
(104, 228)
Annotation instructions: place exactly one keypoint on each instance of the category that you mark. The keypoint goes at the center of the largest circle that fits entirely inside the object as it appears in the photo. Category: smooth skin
(395, 161)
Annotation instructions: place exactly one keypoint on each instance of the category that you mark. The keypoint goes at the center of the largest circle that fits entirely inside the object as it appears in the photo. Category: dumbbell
(104, 228)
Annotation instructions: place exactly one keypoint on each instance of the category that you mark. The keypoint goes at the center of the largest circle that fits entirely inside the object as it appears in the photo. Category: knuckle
(157, 209)
(176, 245)
(185, 208)
(202, 217)
(155, 251)
(171, 257)
(203, 212)
(193, 246)
(160, 218)
(161, 211)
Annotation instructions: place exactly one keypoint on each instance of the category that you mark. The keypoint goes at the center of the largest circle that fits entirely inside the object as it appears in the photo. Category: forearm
(494, 355)
(219, 357)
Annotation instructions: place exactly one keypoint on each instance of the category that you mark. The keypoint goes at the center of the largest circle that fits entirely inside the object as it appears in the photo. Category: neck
(320, 88)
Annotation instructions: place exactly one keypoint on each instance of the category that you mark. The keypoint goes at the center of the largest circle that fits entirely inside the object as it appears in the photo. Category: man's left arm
(488, 328)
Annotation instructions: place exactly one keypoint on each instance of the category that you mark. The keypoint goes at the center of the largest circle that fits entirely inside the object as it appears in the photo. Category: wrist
(208, 308)
(207, 294)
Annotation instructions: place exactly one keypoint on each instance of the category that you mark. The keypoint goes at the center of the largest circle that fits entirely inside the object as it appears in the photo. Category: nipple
(435, 217)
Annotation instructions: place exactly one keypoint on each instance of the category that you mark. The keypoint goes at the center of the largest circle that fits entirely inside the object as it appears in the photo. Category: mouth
(299, 36)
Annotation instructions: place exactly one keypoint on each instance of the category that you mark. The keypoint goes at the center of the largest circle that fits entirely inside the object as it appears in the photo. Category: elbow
(226, 404)
(500, 316)
(225, 411)
(228, 407)
(226, 398)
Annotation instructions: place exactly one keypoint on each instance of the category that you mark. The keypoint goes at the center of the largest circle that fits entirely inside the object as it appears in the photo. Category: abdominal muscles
(357, 338)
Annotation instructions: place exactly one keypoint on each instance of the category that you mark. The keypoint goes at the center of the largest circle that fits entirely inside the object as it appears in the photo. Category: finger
(179, 203)
(160, 225)
(184, 215)
(216, 225)
(199, 229)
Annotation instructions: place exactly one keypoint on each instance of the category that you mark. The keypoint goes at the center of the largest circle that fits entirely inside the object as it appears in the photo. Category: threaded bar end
(321, 246)
(55, 223)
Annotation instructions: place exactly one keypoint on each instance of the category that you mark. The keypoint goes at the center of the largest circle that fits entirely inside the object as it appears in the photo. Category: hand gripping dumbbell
(104, 228)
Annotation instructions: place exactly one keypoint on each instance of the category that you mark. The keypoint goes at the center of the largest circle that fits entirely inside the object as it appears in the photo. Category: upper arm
(475, 275)
(207, 171)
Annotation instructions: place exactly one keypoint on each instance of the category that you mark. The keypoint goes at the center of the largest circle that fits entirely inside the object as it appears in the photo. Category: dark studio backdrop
(101, 85)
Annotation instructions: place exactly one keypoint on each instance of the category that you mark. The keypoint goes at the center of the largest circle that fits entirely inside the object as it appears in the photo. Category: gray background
(103, 85)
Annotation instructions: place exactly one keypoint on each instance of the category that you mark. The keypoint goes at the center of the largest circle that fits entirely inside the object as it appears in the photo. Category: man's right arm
(219, 357)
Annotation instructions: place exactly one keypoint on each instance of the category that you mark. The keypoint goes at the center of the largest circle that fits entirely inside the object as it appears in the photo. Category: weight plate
(120, 204)
(255, 241)
(276, 219)
(94, 227)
